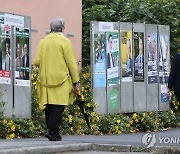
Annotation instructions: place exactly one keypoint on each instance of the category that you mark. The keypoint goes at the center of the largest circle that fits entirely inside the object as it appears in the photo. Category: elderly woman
(58, 76)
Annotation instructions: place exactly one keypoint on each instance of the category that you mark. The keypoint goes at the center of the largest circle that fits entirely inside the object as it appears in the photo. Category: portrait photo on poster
(126, 55)
(138, 57)
(152, 57)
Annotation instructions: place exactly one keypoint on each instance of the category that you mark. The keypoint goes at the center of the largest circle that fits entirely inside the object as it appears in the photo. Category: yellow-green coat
(58, 70)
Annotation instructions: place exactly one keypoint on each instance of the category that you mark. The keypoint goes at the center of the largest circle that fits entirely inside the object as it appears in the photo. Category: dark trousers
(53, 116)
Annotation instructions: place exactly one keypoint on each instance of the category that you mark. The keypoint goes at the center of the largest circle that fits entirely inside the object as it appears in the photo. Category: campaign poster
(22, 57)
(5, 53)
(138, 57)
(164, 59)
(164, 97)
(112, 48)
(152, 57)
(100, 60)
(113, 100)
(126, 55)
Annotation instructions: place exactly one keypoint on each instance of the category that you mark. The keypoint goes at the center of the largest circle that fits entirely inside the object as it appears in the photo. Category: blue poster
(100, 61)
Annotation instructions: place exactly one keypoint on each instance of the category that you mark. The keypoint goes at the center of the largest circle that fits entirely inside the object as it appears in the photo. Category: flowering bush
(74, 123)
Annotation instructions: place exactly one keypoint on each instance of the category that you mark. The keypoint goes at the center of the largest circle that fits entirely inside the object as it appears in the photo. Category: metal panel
(22, 86)
(112, 61)
(164, 65)
(139, 71)
(6, 74)
(98, 65)
(7, 97)
(151, 67)
(126, 103)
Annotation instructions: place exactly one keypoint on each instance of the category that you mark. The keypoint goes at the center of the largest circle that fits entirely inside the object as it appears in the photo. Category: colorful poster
(100, 60)
(113, 100)
(112, 48)
(5, 53)
(164, 59)
(138, 57)
(22, 57)
(152, 57)
(126, 55)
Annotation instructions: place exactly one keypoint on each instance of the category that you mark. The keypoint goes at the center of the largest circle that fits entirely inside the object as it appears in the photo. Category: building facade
(42, 12)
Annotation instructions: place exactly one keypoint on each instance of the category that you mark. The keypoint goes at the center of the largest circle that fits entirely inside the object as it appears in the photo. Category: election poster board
(98, 64)
(164, 65)
(139, 67)
(126, 68)
(152, 68)
(6, 88)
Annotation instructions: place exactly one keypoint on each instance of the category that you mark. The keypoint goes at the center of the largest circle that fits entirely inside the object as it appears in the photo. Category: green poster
(113, 100)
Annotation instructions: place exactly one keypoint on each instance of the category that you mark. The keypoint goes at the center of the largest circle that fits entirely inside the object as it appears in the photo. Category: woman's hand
(76, 88)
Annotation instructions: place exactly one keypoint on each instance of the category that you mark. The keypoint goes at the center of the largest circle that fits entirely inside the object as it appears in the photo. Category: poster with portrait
(100, 60)
(5, 53)
(126, 55)
(164, 58)
(138, 57)
(152, 57)
(164, 65)
(112, 48)
(22, 57)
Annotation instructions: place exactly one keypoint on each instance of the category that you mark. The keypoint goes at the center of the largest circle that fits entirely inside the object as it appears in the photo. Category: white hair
(57, 25)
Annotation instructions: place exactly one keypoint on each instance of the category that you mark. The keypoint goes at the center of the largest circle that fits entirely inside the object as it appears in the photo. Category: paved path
(87, 142)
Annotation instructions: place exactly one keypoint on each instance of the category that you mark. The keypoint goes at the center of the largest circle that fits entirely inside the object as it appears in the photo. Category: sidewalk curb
(89, 146)
(49, 149)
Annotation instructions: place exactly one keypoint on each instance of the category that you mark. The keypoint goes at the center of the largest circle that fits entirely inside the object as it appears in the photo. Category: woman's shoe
(50, 135)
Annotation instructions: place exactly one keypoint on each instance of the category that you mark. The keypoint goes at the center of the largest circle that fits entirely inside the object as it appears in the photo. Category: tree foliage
(161, 12)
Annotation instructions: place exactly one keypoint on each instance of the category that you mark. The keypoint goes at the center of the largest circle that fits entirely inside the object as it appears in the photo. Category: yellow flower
(142, 119)
(70, 116)
(13, 127)
(10, 122)
(97, 118)
(4, 122)
(116, 128)
(12, 136)
(127, 125)
(151, 113)
(131, 122)
(134, 116)
(144, 114)
(136, 120)
(86, 75)
(88, 105)
(171, 111)
(93, 114)
(118, 121)
(132, 131)
(71, 129)
(119, 132)
(82, 89)
(70, 120)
